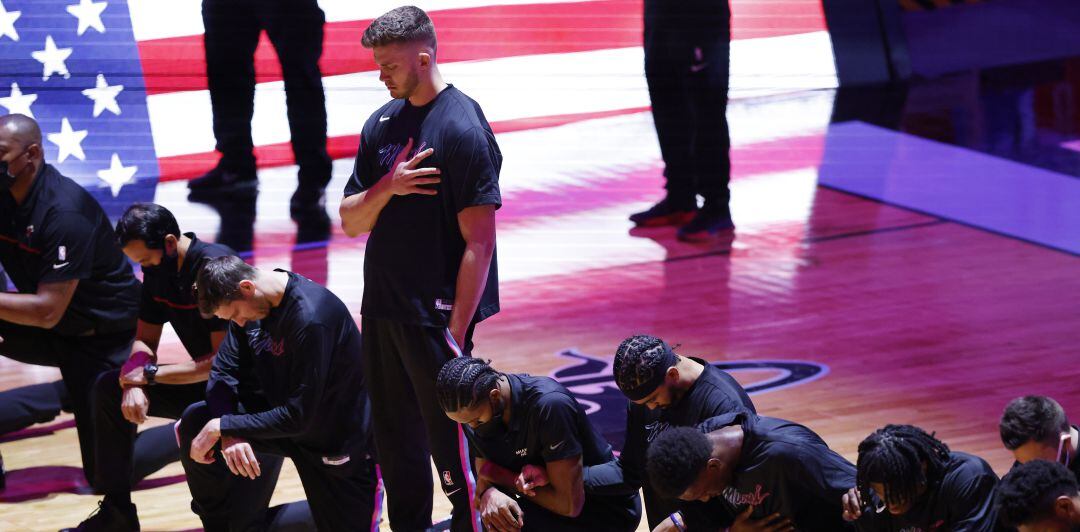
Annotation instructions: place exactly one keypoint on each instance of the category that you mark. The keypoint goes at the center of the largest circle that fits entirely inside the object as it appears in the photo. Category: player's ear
(1064, 507)
(672, 375)
(171, 244)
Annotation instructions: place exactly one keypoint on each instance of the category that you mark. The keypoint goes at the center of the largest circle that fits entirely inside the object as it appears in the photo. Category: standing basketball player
(429, 268)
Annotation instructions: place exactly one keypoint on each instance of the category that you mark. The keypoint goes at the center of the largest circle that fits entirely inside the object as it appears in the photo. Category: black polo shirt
(306, 357)
(788, 469)
(414, 251)
(167, 298)
(962, 501)
(713, 393)
(547, 424)
(60, 233)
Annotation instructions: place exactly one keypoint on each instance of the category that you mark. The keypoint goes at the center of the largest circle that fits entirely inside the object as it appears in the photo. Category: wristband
(676, 519)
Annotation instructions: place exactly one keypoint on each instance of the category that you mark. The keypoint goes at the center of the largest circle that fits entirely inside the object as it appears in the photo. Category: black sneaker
(308, 209)
(661, 214)
(705, 226)
(220, 180)
(109, 517)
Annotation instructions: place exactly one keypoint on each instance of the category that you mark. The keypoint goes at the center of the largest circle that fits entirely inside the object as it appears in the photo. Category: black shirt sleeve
(471, 170)
(311, 356)
(151, 311)
(362, 177)
(222, 388)
(971, 495)
(67, 248)
(620, 475)
(558, 428)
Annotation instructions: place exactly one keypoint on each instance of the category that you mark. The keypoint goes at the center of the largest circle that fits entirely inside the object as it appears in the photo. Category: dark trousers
(611, 514)
(401, 362)
(341, 497)
(114, 446)
(688, 87)
(295, 28)
(81, 360)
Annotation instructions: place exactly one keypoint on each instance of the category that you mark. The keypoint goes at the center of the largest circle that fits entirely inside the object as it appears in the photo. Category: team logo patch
(61, 252)
(590, 380)
(754, 498)
(447, 479)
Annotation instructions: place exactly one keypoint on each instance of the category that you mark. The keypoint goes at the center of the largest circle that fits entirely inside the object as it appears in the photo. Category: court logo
(590, 380)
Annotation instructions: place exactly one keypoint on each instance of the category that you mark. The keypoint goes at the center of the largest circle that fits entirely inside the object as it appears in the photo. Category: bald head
(20, 129)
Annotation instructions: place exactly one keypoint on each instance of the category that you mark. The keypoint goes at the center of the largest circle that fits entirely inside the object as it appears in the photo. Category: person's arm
(970, 492)
(619, 476)
(565, 492)
(361, 207)
(43, 308)
(478, 229)
(223, 386)
(191, 371)
(310, 371)
(498, 511)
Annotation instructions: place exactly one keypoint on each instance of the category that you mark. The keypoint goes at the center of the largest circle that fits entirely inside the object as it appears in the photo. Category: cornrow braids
(463, 381)
(640, 363)
(894, 456)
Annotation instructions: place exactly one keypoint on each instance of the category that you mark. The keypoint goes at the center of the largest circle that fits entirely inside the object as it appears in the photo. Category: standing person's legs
(231, 35)
(295, 27)
(708, 96)
(83, 360)
(400, 440)
(665, 67)
(426, 350)
(343, 497)
(223, 501)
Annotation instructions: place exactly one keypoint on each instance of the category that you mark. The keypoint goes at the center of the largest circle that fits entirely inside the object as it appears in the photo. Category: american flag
(119, 87)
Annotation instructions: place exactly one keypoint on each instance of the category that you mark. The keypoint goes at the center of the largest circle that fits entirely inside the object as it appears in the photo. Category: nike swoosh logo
(61, 265)
(555, 446)
(449, 493)
(384, 119)
(698, 67)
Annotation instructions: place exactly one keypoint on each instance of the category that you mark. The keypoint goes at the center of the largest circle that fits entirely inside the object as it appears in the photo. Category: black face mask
(7, 180)
(494, 427)
(167, 266)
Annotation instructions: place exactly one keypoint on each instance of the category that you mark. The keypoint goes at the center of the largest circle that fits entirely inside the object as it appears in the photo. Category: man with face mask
(664, 390)
(430, 271)
(124, 398)
(1035, 427)
(77, 297)
(532, 440)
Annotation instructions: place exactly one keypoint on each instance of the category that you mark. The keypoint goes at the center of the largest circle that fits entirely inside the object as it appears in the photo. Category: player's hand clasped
(406, 178)
(499, 512)
(530, 478)
(852, 504)
(772, 523)
(134, 405)
(240, 457)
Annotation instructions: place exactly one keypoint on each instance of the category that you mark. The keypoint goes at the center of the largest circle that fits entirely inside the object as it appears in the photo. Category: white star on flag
(52, 58)
(7, 23)
(89, 15)
(69, 141)
(117, 175)
(104, 96)
(18, 103)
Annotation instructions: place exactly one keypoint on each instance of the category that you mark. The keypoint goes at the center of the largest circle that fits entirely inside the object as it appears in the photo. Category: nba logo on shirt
(278, 347)
(446, 478)
(29, 231)
(61, 251)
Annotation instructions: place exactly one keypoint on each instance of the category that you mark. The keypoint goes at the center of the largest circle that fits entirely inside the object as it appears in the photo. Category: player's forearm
(496, 474)
(188, 372)
(360, 211)
(32, 310)
(472, 278)
(566, 503)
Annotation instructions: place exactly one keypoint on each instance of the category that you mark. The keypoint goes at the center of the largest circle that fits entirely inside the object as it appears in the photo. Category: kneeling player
(1039, 496)
(532, 439)
(773, 473)
(909, 480)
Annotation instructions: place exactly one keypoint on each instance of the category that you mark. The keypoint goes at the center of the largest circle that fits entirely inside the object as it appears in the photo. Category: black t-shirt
(306, 357)
(167, 298)
(61, 233)
(414, 251)
(962, 502)
(546, 424)
(784, 468)
(714, 393)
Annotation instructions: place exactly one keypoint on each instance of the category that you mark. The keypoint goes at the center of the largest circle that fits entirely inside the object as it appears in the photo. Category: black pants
(114, 446)
(401, 362)
(81, 359)
(688, 87)
(295, 28)
(341, 497)
(608, 513)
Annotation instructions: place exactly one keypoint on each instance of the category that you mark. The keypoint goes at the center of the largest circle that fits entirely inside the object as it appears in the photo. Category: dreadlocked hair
(637, 359)
(463, 381)
(894, 456)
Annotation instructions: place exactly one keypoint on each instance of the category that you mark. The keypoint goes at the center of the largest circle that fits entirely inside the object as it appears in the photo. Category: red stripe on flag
(178, 64)
(280, 154)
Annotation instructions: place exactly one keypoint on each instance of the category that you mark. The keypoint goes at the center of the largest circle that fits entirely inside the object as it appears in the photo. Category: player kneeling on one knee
(531, 439)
